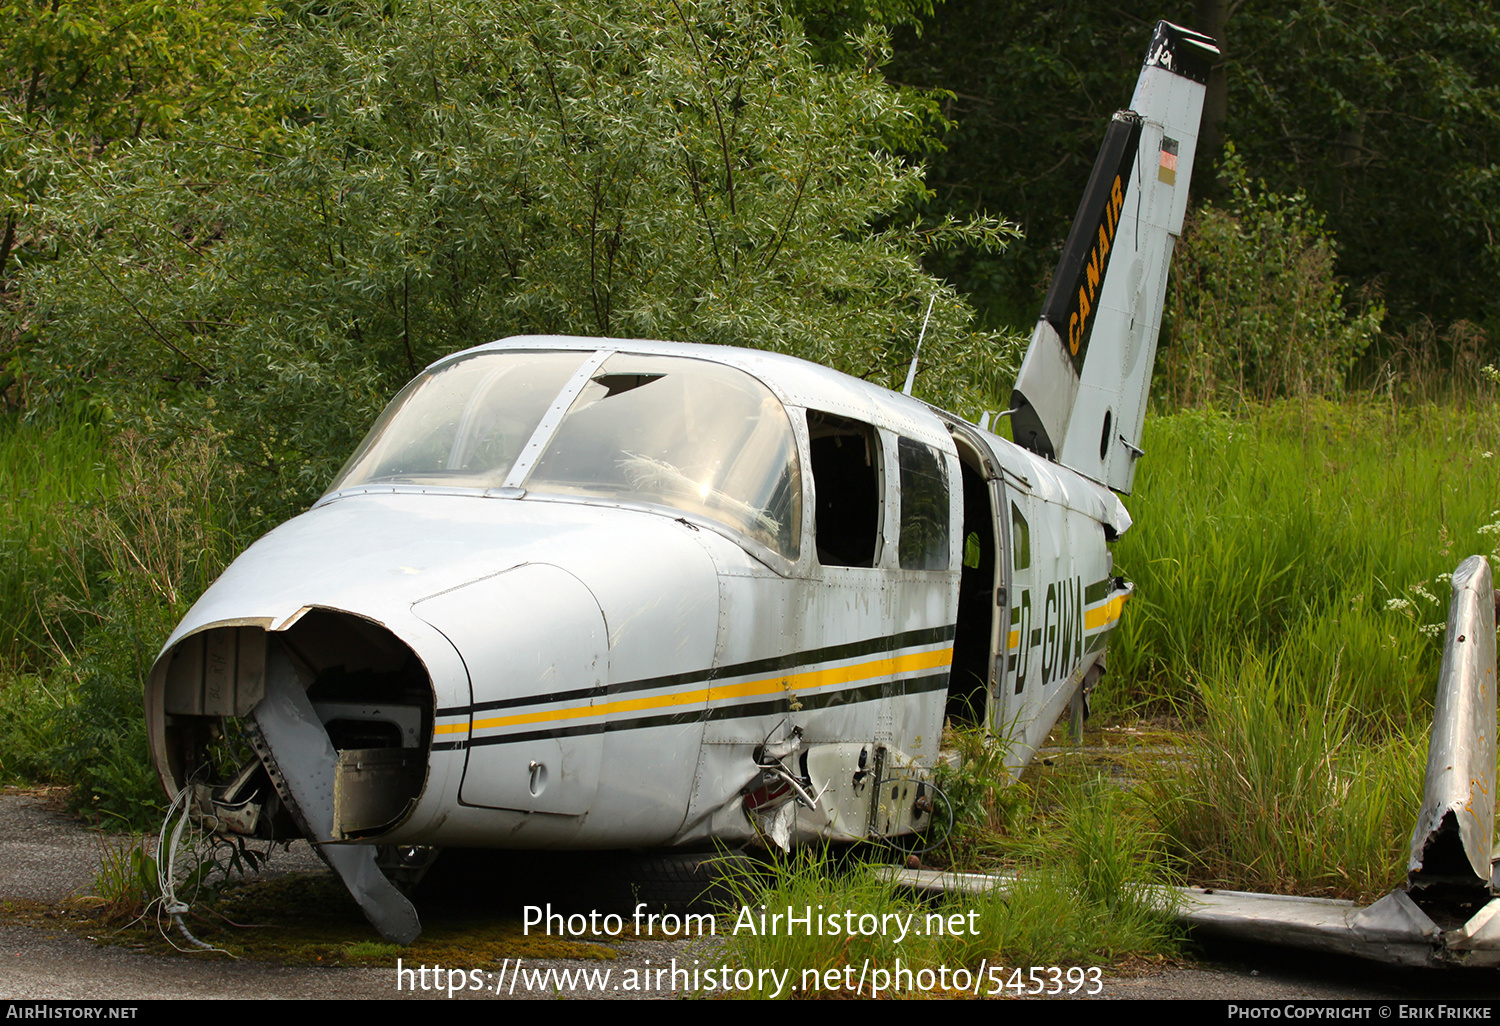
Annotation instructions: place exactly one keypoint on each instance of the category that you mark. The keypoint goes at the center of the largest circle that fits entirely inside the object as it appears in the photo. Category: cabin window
(689, 434)
(846, 484)
(924, 507)
(1020, 540)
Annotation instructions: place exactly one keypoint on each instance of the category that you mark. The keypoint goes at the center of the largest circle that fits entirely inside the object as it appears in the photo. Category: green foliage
(126, 882)
(83, 75)
(1280, 793)
(1291, 569)
(482, 170)
(833, 25)
(31, 721)
(127, 564)
(1256, 309)
(985, 804)
(160, 540)
(49, 465)
(1029, 88)
(1386, 116)
(1054, 912)
(120, 69)
(1112, 853)
(1287, 531)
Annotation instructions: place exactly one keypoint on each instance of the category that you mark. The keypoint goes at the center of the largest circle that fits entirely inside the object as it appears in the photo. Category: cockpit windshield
(665, 431)
(462, 424)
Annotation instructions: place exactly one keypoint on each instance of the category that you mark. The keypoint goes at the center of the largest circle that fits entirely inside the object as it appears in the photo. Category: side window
(924, 507)
(1020, 540)
(846, 489)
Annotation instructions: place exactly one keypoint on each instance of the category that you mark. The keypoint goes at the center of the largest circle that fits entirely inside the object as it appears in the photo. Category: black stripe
(1096, 591)
(772, 664)
(848, 696)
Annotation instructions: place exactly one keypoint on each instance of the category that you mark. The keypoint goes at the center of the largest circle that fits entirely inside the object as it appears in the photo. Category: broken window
(847, 489)
(924, 507)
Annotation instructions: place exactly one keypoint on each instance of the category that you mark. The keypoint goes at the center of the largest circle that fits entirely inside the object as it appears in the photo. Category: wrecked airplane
(600, 593)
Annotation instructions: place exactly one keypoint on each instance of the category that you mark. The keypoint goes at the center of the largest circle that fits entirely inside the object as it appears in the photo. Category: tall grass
(1313, 533)
(111, 566)
(1280, 793)
(1291, 567)
(1081, 895)
(50, 467)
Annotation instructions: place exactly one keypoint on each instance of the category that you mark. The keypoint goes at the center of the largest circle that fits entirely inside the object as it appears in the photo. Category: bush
(1256, 311)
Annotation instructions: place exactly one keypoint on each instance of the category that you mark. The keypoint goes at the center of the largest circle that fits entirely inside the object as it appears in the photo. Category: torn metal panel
(1452, 845)
(296, 751)
(1394, 930)
(220, 672)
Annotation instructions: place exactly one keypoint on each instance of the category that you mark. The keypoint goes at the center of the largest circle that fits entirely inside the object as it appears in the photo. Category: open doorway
(980, 599)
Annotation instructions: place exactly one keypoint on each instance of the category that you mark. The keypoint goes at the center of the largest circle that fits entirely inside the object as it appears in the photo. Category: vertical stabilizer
(1080, 397)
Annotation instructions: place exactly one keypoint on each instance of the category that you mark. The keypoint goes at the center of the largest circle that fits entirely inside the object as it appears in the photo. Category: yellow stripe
(1107, 613)
(810, 679)
(1099, 616)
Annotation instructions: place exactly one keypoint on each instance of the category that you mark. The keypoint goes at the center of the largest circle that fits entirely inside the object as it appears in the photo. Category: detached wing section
(1080, 397)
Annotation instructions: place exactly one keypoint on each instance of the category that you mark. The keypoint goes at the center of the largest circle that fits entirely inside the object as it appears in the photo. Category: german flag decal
(1167, 170)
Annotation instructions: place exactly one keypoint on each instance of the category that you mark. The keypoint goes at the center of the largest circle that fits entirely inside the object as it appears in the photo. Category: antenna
(911, 372)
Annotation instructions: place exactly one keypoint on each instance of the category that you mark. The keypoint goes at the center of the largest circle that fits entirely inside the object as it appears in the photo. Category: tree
(459, 171)
(1387, 117)
(85, 73)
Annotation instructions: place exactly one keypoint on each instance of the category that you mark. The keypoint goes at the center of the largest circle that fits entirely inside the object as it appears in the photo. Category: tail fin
(1080, 397)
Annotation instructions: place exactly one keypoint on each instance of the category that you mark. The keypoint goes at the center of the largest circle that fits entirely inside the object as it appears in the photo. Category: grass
(112, 539)
(1291, 531)
(1082, 857)
(1291, 568)
(48, 468)
(1280, 792)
